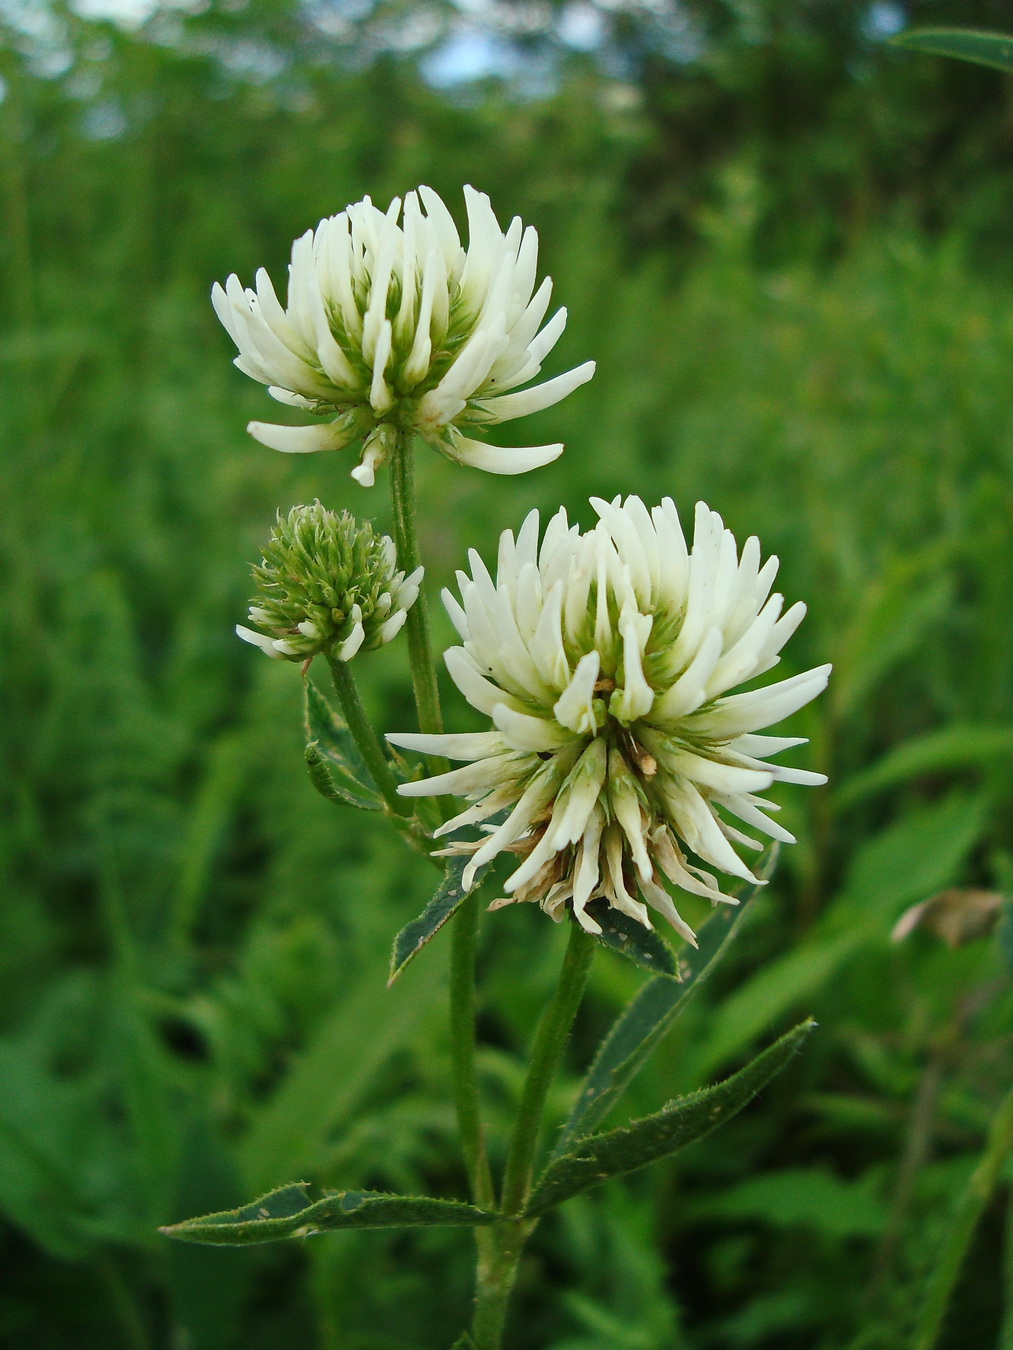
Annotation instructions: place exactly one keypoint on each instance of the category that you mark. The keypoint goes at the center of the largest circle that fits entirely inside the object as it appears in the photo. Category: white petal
(480, 692)
(503, 459)
(636, 697)
(508, 406)
(467, 746)
(524, 732)
(380, 397)
(393, 626)
(351, 644)
(759, 708)
(265, 644)
(292, 400)
(715, 775)
(587, 871)
(536, 797)
(689, 690)
(658, 898)
(300, 440)
(485, 773)
(578, 795)
(575, 706)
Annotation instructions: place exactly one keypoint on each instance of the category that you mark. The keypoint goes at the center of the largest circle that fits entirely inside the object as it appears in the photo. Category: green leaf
(463, 1342)
(598, 1157)
(336, 768)
(985, 49)
(650, 1016)
(623, 934)
(288, 1212)
(450, 894)
(952, 747)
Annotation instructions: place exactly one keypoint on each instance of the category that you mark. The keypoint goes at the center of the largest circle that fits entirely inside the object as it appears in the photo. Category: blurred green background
(787, 246)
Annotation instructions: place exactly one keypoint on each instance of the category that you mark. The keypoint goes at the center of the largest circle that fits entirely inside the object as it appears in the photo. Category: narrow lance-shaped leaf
(335, 766)
(290, 1213)
(651, 1014)
(597, 1157)
(623, 934)
(985, 49)
(450, 894)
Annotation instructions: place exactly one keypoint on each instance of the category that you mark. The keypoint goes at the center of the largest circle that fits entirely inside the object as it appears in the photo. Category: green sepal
(984, 49)
(336, 768)
(623, 934)
(598, 1157)
(650, 1015)
(290, 1213)
(450, 894)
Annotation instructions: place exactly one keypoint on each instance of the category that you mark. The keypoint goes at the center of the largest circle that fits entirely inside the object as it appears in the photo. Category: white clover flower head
(617, 754)
(396, 326)
(327, 583)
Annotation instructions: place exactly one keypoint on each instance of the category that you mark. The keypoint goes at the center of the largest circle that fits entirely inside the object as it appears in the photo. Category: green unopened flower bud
(327, 583)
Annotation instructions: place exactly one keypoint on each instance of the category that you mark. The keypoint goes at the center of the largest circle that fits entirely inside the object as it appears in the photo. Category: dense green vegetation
(787, 248)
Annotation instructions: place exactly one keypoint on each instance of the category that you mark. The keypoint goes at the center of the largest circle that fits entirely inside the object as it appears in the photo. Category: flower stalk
(364, 736)
(420, 651)
(498, 1262)
(553, 1033)
(464, 942)
(464, 934)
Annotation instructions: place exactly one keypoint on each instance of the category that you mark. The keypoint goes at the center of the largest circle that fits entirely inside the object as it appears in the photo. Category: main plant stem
(420, 650)
(464, 940)
(498, 1265)
(465, 924)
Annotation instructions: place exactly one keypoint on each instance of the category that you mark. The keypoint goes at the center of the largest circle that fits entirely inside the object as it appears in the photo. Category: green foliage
(449, 896)
(985, 49)
(952, 747)
(805, 1198)
(645, 947)
(648, 1018)
(335, 766)
(290, 1213)
(787, 247)
(595, 1158)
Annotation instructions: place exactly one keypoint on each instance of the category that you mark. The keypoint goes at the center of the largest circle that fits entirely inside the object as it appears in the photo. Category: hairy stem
(420, 652)
(552, 1036)
(465, 924)
(464, 937)
(365, 737)
(498, 1260)
(501, 1253)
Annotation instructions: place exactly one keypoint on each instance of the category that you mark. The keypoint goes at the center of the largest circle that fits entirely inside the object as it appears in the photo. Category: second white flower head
(617, 754)
(393, 325)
